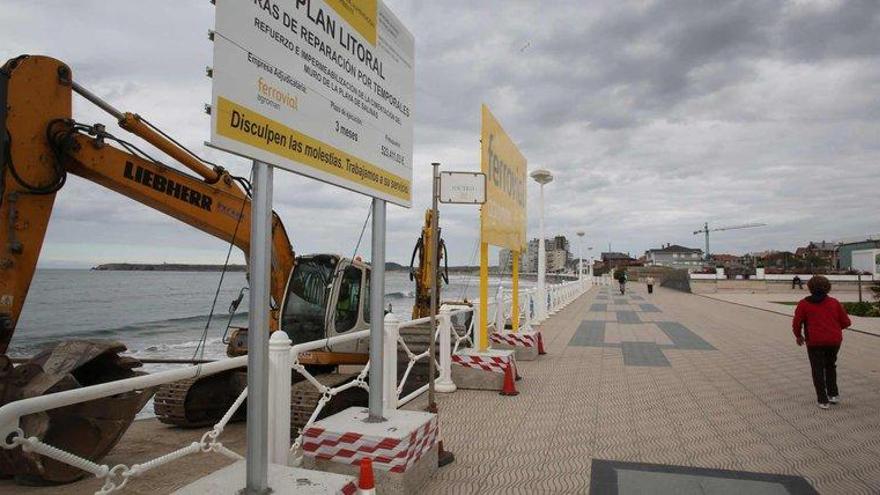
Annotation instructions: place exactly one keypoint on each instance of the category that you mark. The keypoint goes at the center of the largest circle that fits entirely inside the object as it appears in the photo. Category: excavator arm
(41, 143)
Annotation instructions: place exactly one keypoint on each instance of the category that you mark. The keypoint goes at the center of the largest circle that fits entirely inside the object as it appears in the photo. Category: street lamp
(580, 235)
(541, 176)
(590, 267)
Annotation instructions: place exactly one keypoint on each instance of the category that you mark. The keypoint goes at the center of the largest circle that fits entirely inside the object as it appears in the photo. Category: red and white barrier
(387, 453)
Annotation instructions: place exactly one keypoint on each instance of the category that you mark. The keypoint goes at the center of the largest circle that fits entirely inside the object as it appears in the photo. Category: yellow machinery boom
(427, 262)
(42, 144)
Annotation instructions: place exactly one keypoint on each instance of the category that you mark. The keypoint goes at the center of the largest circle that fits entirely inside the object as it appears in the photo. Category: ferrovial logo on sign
(323, 88)
(503, 216)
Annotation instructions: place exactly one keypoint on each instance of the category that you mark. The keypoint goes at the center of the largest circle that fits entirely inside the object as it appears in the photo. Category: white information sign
(463, 187)
(323, 88)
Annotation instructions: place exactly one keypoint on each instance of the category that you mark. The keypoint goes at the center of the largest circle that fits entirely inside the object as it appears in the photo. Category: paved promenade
(670, 379)
(630, 386)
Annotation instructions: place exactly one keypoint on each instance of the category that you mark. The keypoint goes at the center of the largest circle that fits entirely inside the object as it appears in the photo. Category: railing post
(475, 325)
(444, 382)
(389, 390)
(499, 310)
(279, 397)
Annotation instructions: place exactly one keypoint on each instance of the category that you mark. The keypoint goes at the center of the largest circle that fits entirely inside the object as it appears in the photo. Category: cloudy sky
(655, 116)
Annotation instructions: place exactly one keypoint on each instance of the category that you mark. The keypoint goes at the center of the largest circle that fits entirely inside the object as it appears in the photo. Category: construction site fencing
(455, 327)
(283, 357)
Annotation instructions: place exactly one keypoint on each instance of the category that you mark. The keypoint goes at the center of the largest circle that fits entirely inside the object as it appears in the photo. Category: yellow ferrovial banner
(503, 216)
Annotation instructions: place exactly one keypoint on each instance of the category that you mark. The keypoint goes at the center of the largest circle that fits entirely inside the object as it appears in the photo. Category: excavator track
(199, 401)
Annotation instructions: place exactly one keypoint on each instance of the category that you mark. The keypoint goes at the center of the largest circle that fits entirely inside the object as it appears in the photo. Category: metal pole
(377, 296)
(258, 332)
(542, 262)
(706, 228)
(581, 258)
(860, 287)
(482, 341)
(514, 304)
(434, 266)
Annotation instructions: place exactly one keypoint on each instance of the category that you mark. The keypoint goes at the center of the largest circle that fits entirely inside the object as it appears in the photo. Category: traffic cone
(366, 482)
(509, 387)
(541, 351)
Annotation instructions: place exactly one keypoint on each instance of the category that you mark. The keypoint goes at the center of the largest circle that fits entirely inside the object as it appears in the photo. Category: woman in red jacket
(822, 319)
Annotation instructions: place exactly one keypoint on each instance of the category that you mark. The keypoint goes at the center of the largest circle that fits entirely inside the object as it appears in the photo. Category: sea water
(163, 314)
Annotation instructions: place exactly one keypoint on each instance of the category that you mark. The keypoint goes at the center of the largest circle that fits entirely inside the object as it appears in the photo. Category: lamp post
(580, 235)
(541, 176)
(590, 267)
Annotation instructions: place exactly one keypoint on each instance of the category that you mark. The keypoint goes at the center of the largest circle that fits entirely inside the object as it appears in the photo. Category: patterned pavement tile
(747, 405)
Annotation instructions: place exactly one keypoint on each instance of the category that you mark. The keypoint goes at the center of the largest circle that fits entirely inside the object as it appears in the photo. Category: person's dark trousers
(650, 289)
(823, 362)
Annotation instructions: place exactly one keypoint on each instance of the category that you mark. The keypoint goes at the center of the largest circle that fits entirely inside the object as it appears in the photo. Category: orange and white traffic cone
(366, 482)
(541, 344)
(509, 387)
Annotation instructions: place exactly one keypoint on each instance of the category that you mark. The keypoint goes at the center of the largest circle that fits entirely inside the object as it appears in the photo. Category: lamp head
(542, 176)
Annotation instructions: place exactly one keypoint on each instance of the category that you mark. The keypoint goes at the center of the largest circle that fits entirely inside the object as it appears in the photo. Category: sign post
(377, 312)
(503, 216)
(450, 188)
(259, 260)
(434, 266)
(514, 315)
(322, 88)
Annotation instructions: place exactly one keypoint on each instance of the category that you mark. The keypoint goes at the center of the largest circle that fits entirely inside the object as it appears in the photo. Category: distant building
(821, 253)
(724, 259)
(612, 260)
(845, 250)
(505, 261)
(532, 258)
(675, 256)
(556, 260)
(556, 252)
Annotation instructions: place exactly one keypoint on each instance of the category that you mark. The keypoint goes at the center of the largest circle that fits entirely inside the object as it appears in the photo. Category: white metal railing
(282, 357)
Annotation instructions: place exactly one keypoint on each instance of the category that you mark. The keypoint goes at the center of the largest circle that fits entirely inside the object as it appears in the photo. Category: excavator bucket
(89, 429)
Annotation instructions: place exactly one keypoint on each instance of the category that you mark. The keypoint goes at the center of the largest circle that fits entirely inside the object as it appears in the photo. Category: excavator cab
(327, 296)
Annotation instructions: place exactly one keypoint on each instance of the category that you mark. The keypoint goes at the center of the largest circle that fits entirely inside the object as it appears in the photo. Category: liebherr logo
(165, 185)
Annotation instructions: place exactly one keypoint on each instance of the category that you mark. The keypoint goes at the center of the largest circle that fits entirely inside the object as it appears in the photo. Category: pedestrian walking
(621, 279)
(819, 321)
(650, 282)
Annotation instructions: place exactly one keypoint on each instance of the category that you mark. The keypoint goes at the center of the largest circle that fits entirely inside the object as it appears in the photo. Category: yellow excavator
(313, 297)
(422, 262)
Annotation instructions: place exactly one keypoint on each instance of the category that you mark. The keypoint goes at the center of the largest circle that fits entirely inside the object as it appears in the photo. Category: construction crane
(705, 230)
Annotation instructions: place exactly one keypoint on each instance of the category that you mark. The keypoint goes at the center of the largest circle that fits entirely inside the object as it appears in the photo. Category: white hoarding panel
(462, 187)
(323, 88)
(866, 260)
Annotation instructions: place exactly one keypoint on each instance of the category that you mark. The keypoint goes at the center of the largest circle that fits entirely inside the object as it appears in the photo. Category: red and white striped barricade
(403, 448)
(528, 345)
(494, 369)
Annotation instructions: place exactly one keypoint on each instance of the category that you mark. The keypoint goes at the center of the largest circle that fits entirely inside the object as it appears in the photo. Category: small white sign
(463, 187)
